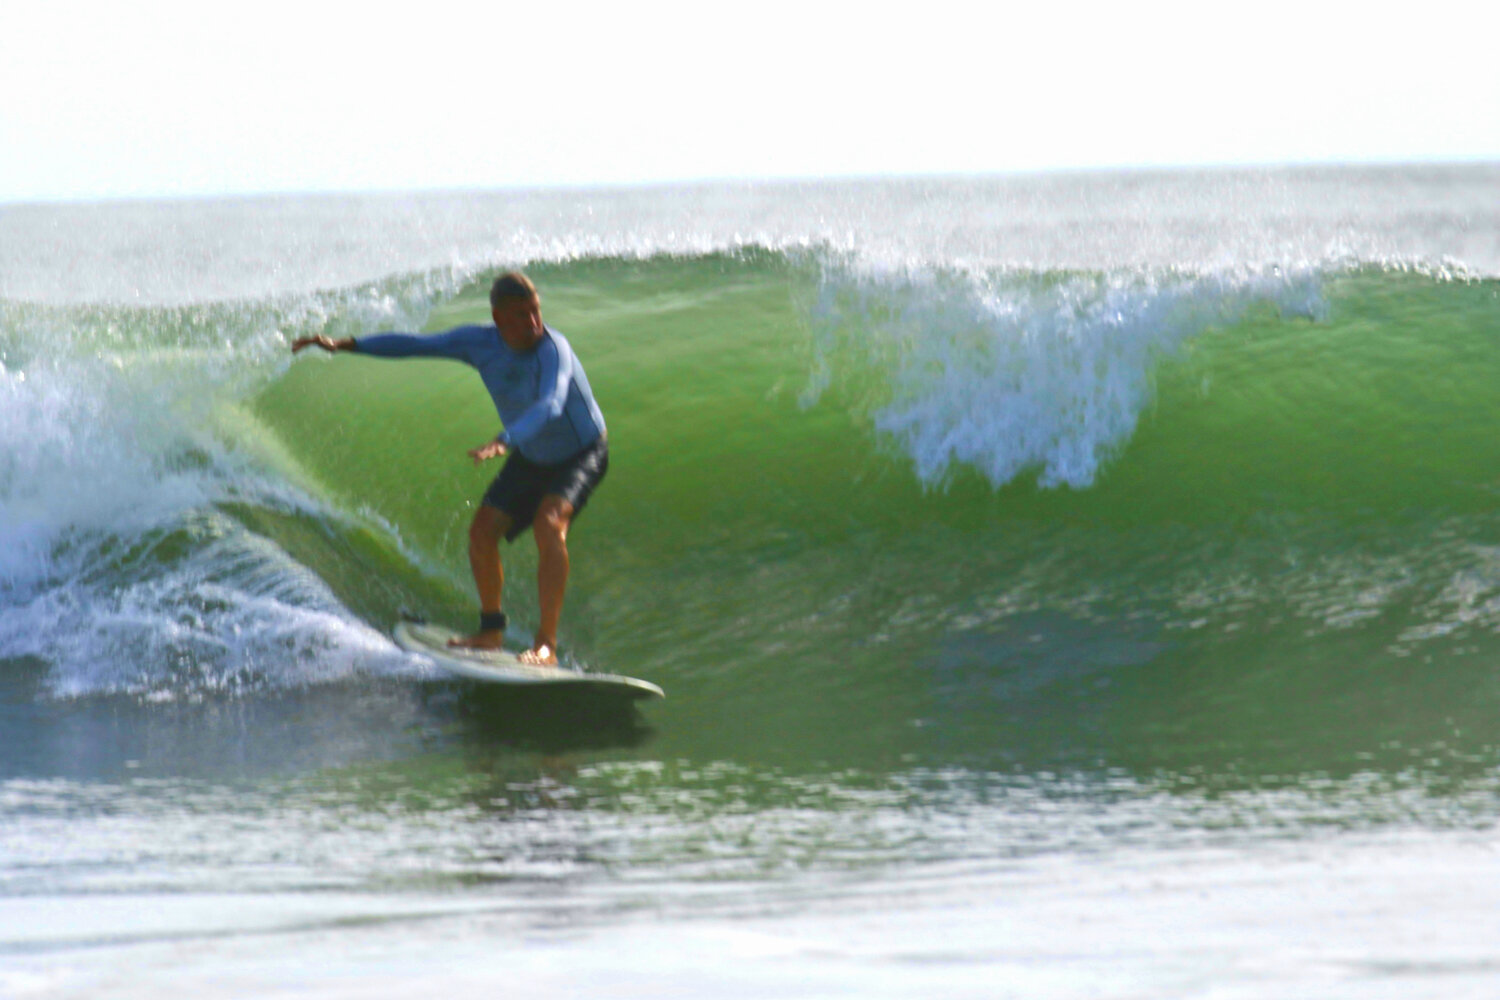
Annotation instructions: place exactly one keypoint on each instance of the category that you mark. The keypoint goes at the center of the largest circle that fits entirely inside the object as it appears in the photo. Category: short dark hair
(513, 285)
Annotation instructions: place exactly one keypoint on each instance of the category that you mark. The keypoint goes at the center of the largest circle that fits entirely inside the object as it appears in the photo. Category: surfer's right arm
(453, 344)
(324, 341)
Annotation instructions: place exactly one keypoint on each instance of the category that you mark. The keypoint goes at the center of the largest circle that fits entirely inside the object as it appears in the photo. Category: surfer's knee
(487, 527)
(551, 524)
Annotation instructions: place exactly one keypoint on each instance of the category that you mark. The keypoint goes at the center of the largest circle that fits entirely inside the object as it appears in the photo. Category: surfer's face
(519, 322)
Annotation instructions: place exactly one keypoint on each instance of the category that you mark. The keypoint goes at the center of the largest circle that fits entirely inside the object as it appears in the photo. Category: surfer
(553, 434)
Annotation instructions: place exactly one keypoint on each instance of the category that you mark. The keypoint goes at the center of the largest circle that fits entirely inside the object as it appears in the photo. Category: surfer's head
(517, 309)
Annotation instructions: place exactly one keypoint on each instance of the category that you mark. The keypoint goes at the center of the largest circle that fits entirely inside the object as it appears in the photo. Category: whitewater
(1077, 584)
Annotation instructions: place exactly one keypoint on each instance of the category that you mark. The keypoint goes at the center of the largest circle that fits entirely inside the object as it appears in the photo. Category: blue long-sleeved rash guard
(542, 395)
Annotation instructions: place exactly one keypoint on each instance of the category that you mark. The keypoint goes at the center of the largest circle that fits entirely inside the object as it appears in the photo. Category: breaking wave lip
(162, 253)
(1009, 372)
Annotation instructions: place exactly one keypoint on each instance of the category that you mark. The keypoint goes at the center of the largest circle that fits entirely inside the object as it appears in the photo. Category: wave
(808, 442)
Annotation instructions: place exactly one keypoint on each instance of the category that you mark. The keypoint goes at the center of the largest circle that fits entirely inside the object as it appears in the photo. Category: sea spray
(120, 442)
(1008, 372)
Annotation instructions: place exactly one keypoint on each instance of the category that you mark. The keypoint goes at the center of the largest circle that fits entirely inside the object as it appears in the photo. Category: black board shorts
(518, 490)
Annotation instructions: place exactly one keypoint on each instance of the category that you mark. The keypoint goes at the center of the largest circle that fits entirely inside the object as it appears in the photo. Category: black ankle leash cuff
(492, 621)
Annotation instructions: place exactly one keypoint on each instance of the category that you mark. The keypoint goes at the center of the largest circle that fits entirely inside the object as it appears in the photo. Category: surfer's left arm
(556, 374)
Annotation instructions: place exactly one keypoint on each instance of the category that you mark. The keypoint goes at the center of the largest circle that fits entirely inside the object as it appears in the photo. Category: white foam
(82, 450)
(231, 613)
(115, 568)
(1007, 373)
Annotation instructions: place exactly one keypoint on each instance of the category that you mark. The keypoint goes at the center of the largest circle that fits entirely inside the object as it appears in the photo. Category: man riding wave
(553, 434)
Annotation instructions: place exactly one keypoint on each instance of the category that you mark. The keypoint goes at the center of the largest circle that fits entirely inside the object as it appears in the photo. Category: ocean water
(1065, 585)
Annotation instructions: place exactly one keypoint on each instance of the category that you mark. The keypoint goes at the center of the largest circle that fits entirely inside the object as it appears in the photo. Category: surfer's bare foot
(487, 639)
(540, 655)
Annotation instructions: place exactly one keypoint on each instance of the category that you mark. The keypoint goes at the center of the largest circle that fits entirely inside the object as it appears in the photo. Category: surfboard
(501, 666)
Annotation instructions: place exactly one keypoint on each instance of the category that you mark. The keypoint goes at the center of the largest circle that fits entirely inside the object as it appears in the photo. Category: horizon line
(755, 180)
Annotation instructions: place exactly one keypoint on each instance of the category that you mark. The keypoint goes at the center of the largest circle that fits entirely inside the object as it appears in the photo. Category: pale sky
(167, 99)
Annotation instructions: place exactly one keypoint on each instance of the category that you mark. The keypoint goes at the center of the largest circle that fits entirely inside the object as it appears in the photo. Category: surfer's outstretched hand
(324, 341)
(487, 451)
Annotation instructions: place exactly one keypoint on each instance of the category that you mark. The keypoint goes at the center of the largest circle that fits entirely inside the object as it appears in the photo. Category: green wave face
(1150, 522)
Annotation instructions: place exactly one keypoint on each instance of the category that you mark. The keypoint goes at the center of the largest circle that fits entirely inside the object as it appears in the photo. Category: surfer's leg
(550, 528)
(485, 531)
